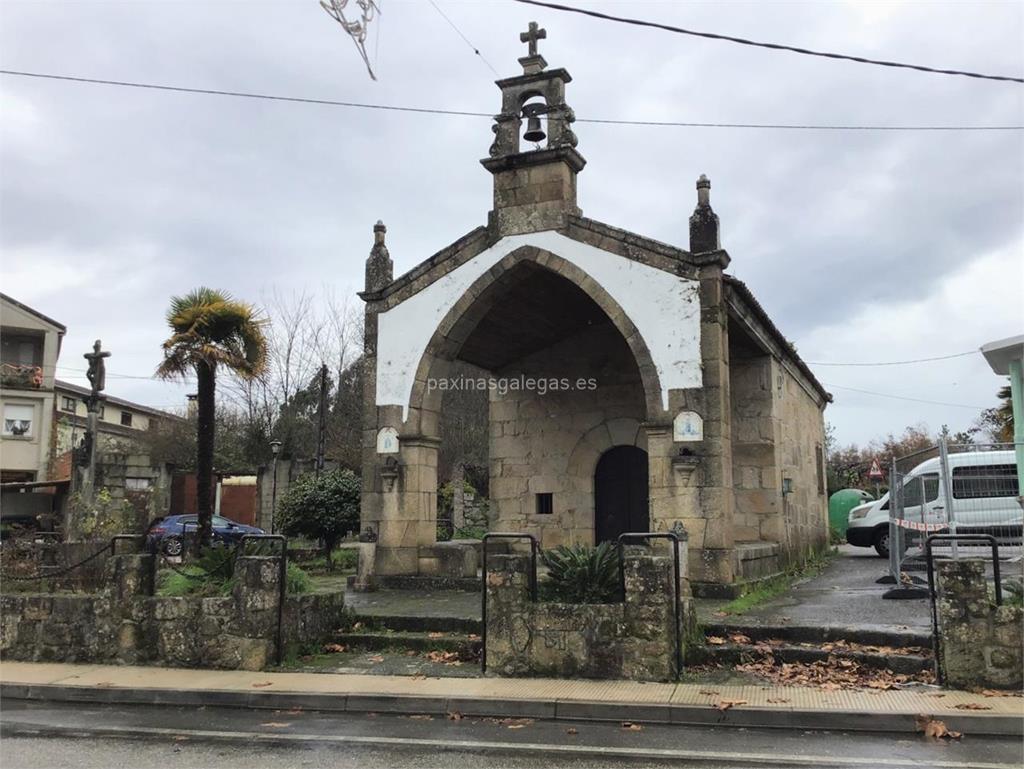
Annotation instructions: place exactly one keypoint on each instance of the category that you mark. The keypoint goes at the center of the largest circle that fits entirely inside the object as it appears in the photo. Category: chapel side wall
(801, 458)
(755, 428)
(551, 443)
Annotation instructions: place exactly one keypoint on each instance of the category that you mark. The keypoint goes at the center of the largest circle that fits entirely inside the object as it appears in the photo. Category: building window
(982, 481)
(138, 484)
(126, 418)
(545, 504)
(103, 412)
(18, 420)
(68, 404)
(820, 454)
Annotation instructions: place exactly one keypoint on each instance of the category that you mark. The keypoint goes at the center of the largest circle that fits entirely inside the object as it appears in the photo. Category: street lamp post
(275, 448)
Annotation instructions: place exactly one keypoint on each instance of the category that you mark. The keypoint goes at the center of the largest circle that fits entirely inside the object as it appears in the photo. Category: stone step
(410, 624)
(733, 653)
(414, 582)
(379, 640)
(822, 634)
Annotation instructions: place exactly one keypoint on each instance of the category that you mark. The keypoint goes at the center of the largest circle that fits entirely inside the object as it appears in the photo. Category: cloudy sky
(864, 246)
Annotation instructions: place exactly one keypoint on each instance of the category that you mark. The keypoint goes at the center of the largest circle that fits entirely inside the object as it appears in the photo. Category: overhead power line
(899, 362)
(489, 115)
(905, 398)
(770, 46)
(459, 33)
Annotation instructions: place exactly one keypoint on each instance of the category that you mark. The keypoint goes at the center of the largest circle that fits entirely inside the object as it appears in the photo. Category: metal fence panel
(954, 489)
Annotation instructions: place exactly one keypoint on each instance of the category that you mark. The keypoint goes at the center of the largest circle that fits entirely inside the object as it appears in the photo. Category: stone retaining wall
(634, 639)
(980, 643)
(126, 623)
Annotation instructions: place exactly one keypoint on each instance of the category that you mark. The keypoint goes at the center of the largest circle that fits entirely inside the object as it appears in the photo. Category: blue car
(169, 533)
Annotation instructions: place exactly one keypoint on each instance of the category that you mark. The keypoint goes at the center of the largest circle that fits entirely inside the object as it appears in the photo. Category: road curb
(541, 708)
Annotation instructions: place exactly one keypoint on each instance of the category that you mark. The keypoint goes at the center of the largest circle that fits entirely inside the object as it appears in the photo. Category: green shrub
(213, 574)
(296, 580)
(581, 574)
(470, 532)
(346, 559)
(324, 507)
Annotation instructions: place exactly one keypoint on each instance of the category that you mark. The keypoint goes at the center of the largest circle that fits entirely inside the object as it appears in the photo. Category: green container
(841, 503)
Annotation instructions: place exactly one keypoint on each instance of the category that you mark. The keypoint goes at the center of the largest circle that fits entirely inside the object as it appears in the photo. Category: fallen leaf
(454, 715)
(276, 724)
(777, 700)
(376, 658)
(294, 711)
(263, 683)
(935, 729)
(334, 648)
(724, 705)
(422, 717)
(938, 694)
(435, 635)
(571, 730)
(447, 658)
(715, 640)
(708, 692)
(357, 626)
(739, 638)
(632, 726)
(719, 614)
(972, 706)
(411, 653)
(417, 676)
(473, 637)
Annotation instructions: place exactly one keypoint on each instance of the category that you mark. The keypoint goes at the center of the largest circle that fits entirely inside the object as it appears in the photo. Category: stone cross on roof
(532, 35)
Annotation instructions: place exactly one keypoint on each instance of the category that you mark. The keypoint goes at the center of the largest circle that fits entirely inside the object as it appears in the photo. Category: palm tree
(210, 330)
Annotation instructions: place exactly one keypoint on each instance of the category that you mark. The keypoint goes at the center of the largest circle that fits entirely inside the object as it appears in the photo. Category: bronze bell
(534, 133)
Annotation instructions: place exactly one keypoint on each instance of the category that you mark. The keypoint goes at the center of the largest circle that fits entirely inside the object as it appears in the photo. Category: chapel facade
(634, 385)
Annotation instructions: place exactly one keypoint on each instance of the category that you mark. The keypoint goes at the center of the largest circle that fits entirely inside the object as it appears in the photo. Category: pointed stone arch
(456, 326)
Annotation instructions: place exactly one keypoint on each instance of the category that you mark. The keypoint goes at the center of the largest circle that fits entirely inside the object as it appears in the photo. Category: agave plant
(581, 574)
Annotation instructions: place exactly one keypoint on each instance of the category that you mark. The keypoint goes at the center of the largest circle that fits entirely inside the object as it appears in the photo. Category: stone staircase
(900, 652)
(406, 634)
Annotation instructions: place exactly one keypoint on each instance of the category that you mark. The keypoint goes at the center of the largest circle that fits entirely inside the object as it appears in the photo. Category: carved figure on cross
(532, 35)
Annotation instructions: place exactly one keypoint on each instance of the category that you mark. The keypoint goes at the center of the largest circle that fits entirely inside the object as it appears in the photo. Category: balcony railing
(20, 376)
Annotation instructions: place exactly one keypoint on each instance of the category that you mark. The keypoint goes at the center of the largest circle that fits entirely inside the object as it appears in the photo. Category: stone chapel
(652, 391)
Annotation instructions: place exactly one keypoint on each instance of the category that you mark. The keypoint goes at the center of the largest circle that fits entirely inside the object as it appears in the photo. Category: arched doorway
(620, 493)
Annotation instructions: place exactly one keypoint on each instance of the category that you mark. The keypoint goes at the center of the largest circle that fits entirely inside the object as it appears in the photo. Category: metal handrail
(991, 540)
(674, 538)
(534, 547)
(281, 578)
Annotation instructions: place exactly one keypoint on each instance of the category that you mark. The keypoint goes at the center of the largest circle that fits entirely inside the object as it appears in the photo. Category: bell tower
(534, 186)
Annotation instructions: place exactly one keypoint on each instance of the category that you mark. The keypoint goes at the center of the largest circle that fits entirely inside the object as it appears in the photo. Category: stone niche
(980, 643)
(634, 639)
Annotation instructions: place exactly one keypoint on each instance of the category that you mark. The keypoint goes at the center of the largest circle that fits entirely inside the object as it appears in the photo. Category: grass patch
(762, 592)
(343, 559)
(196, 581)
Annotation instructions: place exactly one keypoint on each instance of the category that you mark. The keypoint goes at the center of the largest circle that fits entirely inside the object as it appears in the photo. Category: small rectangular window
(138, 484)
(820, 456)
(545, 504)
(18, 420)
(126, 418)
(68, 404)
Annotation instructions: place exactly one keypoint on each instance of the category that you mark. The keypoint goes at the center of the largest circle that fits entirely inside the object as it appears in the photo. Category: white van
(986, 500)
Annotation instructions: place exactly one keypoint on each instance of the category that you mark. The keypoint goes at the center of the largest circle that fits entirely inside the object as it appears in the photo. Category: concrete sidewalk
(694, 704)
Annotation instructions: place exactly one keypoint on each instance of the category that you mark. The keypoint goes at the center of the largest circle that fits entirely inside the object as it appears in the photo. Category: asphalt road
(36, 735)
